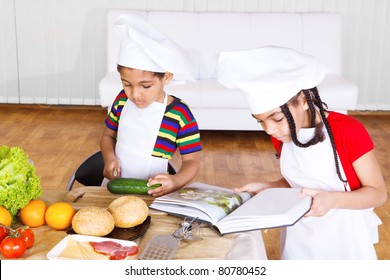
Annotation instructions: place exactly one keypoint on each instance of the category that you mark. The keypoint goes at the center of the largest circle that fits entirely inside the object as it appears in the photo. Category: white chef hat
(144, 47)
(269, 76)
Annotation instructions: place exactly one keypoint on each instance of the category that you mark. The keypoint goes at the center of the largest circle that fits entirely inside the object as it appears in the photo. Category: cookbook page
(216, 202)
(270, 208)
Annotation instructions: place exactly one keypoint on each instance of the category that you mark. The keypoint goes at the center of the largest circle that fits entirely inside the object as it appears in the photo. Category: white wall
(54, 51)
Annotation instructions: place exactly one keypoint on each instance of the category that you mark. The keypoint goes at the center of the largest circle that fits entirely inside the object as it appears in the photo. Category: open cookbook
(229, 212)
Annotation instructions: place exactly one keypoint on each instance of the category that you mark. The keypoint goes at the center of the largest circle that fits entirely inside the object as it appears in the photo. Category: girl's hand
(168, 184)
(253, 188)
(322, 202)
(256, 187)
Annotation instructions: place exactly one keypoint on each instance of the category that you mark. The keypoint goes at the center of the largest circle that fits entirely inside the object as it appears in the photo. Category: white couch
(205, 34)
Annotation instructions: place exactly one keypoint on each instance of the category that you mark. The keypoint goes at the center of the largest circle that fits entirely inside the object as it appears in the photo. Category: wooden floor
(59, 138)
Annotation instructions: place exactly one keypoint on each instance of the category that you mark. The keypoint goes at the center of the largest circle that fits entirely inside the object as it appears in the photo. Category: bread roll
(128, 211)
(91, 220)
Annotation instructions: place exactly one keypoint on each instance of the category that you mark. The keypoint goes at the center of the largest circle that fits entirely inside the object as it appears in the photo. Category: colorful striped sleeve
(112, 119)
(178, 129)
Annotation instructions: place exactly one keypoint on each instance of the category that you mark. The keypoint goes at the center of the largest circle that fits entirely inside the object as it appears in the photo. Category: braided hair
(313, 101)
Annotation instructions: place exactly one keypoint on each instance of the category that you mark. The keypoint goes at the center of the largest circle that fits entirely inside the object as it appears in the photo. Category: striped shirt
(178, 129)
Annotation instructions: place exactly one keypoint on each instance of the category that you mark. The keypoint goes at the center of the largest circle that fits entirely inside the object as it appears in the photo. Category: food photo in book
(229, 212)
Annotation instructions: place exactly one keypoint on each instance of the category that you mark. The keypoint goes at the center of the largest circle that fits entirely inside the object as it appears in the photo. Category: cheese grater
(161, 247)
(164, 247)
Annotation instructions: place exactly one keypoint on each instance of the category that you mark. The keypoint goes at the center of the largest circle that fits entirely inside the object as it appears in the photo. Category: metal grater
(161, 247)
(164, 247)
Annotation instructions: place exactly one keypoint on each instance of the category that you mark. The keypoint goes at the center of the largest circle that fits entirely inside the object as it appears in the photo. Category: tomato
(13, 246)
(4, 232)
(27, 234)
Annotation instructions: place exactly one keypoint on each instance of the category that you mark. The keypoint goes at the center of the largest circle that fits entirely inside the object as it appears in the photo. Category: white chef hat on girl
(144, 47)
(269, 76)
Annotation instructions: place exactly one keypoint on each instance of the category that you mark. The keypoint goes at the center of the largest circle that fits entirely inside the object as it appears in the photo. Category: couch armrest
(109, 87)
(338, 93)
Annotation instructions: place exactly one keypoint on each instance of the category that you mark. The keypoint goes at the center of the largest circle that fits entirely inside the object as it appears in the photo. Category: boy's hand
(112, 170)
(168, 184)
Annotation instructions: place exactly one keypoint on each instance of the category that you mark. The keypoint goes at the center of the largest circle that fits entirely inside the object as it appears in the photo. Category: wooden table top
(211, 245)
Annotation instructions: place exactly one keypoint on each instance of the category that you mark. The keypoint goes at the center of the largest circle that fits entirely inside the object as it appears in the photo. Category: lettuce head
(18, 182)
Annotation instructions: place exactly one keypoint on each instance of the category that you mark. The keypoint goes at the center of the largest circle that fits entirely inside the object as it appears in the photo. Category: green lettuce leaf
(18, 181)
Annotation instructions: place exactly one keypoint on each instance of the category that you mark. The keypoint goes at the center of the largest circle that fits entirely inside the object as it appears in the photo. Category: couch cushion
(214, 95)
(278, 29)
(321, 35)
(218, 32)
(208, 94)
(181, 27)
(338, 93)
(189, 92)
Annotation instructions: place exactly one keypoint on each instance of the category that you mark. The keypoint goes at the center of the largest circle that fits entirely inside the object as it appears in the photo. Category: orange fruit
(33, 214)
(59, 215)
(5, 216)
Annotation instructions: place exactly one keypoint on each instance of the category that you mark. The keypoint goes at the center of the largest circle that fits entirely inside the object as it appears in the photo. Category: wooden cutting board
(96, 196)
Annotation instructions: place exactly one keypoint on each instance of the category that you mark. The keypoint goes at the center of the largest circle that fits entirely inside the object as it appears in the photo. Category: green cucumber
(129, 186)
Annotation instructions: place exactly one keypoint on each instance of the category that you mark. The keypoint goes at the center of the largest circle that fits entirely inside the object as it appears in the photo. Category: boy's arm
(188, 170)
(107, 146)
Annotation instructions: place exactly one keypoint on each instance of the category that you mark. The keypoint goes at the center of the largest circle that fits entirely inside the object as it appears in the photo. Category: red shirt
(352, 141)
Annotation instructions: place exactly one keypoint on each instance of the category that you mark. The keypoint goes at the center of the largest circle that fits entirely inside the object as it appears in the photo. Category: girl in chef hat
(328, 155)
(146, 125)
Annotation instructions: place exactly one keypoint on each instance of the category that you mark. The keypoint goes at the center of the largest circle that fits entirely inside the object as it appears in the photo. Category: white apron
(341, 233)
(137, 134)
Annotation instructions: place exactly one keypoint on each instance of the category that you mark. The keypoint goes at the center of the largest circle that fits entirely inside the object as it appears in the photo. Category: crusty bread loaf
(128, 211)
(91, 220)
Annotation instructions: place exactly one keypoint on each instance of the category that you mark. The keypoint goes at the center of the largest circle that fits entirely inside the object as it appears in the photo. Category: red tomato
(4, 232)
(13, 247)
(28, 235)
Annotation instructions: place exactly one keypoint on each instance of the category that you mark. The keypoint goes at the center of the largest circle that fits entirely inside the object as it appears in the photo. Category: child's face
(275, 123)
(143, 87)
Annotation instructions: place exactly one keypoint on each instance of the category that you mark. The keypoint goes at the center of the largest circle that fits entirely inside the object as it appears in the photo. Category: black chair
(90, 172)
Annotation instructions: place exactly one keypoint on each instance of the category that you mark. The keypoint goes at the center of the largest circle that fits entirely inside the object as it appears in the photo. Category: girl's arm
(372, 193)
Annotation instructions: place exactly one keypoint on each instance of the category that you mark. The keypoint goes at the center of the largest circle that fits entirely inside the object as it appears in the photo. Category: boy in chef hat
(328, 155)
(145, 125)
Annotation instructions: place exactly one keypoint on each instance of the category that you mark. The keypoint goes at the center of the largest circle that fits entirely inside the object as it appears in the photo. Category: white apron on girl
(137, 135)
(341, 233)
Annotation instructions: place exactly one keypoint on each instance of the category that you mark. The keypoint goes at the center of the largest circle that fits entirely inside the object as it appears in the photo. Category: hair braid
(312, 109)
(320, 104)
(317, 136)
(313, 100)
(291, 124)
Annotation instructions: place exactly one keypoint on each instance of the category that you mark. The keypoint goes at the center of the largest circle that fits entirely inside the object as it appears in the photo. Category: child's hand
(112, 170)
(168, 184)
(253, 188)
(322, 202)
